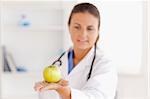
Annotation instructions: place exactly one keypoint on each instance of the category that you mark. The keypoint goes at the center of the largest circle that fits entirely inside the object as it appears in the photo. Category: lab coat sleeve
(101, 85)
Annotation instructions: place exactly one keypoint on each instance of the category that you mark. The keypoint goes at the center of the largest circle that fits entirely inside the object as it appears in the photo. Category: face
(83, 30)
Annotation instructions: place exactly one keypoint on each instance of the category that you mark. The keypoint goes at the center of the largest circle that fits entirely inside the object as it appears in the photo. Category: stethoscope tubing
(90, 72)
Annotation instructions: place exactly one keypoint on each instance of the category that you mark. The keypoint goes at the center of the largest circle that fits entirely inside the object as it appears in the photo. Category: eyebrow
(77, 23)
(90, 26)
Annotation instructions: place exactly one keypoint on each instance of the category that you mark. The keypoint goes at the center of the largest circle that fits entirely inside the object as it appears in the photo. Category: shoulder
(102, 57)
(103, 62)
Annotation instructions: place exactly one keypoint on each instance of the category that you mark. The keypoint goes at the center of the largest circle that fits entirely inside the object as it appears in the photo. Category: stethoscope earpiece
(58, 60)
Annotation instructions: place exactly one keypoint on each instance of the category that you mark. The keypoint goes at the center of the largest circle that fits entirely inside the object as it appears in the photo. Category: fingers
(63, 82)
(39, 85)
(51, 86)
(43, 86)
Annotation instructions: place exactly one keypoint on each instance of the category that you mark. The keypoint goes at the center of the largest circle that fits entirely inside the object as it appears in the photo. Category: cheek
(73, 36)
(71, 33)
(93, 38)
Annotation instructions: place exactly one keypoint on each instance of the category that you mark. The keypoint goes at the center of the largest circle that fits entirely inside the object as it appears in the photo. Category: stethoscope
(59, 62)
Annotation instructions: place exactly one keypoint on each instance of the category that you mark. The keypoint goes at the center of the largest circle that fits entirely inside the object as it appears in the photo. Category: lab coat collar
(87, 60)
(84, 63)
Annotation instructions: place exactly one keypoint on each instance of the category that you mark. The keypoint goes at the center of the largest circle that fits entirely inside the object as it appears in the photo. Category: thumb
(63, 82)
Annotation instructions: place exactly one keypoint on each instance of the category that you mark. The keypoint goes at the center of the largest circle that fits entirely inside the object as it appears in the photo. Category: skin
(84, 32)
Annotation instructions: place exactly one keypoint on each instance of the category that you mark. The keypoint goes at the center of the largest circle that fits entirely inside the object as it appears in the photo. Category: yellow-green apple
(52, 74)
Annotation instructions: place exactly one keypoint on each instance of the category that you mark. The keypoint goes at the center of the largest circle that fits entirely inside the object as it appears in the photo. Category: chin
(83, 47)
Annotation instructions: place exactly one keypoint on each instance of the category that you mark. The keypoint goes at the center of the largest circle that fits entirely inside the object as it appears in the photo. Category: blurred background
(33, 32)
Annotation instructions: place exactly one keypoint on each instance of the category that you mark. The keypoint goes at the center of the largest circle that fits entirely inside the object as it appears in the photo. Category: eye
(90, 29)
(76, 27)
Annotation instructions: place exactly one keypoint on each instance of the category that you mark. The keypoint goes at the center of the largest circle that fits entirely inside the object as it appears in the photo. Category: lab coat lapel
(80, 67)
(84, 63)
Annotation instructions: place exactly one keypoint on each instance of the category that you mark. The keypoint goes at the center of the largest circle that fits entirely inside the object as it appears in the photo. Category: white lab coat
(101, 85)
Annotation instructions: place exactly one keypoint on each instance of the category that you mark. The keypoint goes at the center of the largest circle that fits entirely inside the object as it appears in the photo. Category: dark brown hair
(85, 7)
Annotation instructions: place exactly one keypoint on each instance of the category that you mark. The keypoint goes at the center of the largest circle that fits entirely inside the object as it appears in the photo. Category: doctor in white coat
(88, 74)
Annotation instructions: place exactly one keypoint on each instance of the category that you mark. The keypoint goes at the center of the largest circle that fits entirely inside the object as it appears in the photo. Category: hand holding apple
(57, 84)
(43, 85)
(53, 81)
(52, 74)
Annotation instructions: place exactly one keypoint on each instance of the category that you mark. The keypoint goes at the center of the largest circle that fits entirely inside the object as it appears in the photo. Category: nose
(83, 33)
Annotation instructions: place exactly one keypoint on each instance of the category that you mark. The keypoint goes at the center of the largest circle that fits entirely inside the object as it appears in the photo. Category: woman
(87, 72)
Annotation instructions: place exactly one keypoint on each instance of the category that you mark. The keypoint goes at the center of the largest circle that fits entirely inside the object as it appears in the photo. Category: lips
(82, 41)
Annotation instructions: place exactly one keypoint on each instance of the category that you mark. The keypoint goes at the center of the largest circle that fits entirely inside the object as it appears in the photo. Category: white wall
(0, 59)
(149, 49)
(136, 86)
(32, 47)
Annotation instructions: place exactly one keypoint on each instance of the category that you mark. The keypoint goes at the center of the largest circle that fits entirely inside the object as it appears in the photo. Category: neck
(79, 54)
